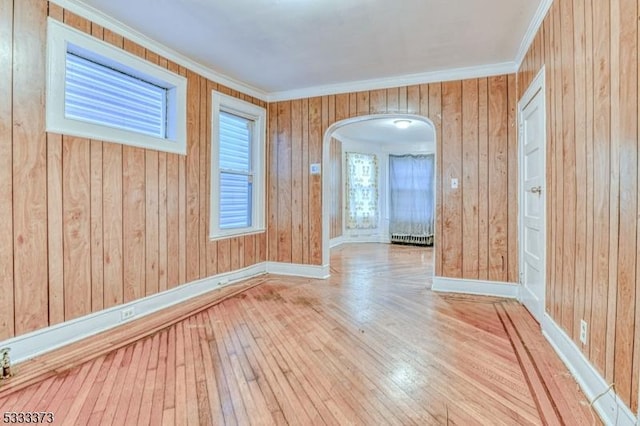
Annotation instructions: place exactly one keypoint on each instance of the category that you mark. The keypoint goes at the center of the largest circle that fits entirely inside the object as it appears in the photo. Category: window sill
(236, 233)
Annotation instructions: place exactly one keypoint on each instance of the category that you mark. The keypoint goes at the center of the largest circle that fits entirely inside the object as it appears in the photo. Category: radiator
(416, 240)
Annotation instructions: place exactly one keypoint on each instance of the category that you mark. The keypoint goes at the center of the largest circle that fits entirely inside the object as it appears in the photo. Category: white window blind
(98, 94)
(236, 175)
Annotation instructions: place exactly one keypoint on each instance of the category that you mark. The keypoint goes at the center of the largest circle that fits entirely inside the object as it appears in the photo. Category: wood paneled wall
(86, 224)
(590, 53)
(337, 189)
(476, 232)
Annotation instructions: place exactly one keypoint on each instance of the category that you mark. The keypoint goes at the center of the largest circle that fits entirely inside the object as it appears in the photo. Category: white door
(532, 197)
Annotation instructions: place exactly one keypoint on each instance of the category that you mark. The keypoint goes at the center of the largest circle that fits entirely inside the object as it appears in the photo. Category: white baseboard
(610, 407)
(360, 239)
(335, 242)
(38, 342)
(33, 344)
(298, 270)
(477, 287)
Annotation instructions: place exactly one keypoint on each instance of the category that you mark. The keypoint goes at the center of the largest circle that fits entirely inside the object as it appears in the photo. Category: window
(237, 167)
(98, 91)
(362, 191)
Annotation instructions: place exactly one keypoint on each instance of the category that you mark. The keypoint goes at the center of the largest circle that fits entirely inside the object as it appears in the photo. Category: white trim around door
(532, 196)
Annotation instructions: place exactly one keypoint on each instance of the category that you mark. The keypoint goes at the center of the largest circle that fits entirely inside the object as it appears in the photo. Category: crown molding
(100, 18)
(488, 70)
(534, 26)
(397, 81)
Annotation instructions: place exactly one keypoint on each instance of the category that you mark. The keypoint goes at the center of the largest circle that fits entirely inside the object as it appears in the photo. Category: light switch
(454, 183)
(315, 169)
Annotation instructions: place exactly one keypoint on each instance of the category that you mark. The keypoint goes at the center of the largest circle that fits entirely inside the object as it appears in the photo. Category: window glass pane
(235, 201)
(98, 94)
(235, 142)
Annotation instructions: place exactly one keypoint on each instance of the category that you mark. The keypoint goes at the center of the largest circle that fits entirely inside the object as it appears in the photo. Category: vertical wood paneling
(315, 182)
(336, 192)
(579, 42)
(55, 247)
(284, 182)
(551, 171)
(589, 96)
(569, 161)
(590, 51)
(250, 250)
(203, 197)
(628, 199)
(601, 142)
(173, 221)
(6, 171)
(483, 179)
(498, 220)
(393, 100)
(614, 188)
(29, 167)
(451, 153)
(558, 155)
(342, 108)
(152, 222)
(272, 181)
(182, 203)
(512, 181)
(133, 200)
(234, 261)
(97, 233)
(362, 103)
(413, 99)
(76, 161)
(296, 181)
(224, 256)
(377, 102)
(435, 113)
(402, 99)
(113, 225)
(163, 240)
(193, 177)
(470, 180)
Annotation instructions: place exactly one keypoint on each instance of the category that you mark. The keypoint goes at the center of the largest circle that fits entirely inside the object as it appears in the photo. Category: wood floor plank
(370, 345)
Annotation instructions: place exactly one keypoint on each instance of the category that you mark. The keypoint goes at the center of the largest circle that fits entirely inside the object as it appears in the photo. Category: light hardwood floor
(371, 345)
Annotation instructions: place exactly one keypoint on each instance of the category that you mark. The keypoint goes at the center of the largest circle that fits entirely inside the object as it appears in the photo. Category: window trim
(222, 102)
(62, 38)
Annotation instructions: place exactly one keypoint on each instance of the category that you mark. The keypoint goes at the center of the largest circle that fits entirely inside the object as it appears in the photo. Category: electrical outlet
(454, 183)
(127, 313)
(583, 332)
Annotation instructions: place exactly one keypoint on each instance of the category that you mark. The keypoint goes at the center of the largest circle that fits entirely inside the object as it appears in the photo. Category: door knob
(536, 190)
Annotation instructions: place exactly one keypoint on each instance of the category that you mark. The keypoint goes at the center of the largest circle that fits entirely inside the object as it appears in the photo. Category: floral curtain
(361, 191)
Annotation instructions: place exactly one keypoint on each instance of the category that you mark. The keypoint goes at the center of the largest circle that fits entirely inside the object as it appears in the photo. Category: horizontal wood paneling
(475, 144)
(88, 224)
(590, 53)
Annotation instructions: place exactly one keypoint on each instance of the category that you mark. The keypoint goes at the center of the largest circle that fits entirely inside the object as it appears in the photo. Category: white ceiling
(383, 131)
(285, 45)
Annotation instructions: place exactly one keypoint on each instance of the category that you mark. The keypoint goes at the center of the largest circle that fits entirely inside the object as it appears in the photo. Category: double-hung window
(98, 91)
(237, 167)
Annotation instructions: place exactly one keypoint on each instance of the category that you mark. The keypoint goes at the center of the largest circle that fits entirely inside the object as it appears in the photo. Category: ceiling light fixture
(402, 124)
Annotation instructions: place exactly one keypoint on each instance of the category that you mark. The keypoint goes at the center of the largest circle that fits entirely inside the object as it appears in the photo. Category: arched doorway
(326, 163)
